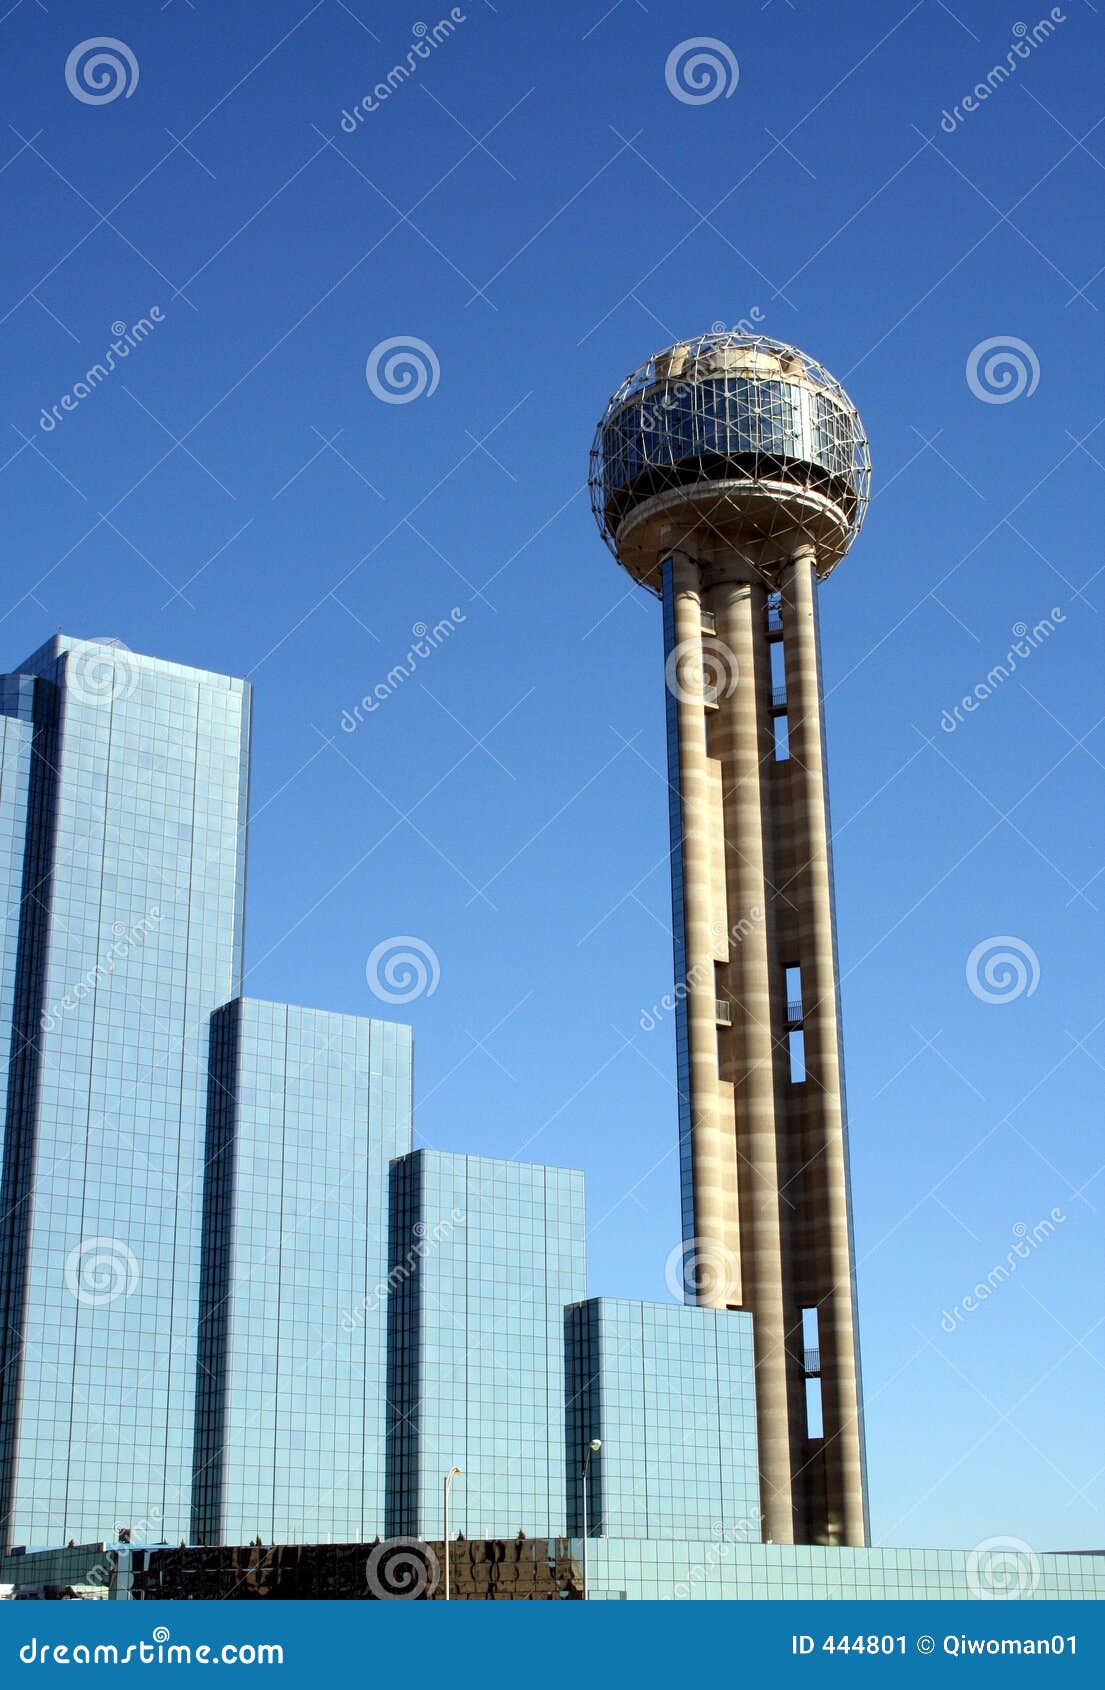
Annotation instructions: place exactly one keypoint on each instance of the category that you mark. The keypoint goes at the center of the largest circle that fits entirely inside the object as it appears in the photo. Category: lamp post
(592, 1449)
(453, 1473)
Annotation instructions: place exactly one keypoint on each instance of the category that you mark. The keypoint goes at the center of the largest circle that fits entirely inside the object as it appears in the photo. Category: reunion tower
(729, 476)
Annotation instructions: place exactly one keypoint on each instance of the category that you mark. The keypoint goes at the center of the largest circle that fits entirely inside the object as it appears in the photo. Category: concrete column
(743, 740)
(715, 1246)
(827, 1222)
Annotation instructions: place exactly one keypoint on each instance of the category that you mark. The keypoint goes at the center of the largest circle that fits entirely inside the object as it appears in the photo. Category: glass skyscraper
(307, 1110)
(484, 1256)
(124, 787)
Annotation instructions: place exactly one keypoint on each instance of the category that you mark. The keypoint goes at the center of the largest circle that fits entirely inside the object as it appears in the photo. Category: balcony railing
(774, 619)
(812, 1361)
(778, 698)
(795, 1014)
(723, 1013)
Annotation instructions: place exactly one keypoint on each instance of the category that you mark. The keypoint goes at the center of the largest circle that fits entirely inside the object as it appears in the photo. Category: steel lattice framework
(738, 434)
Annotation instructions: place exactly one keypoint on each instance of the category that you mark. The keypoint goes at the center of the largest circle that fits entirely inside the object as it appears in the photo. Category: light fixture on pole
(453, 1473)
(592, 1449)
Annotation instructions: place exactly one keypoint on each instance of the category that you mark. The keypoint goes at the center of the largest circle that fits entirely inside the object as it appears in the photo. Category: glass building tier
(484, 1257)
(307, 1111)
(124, 792)
(669, 1392)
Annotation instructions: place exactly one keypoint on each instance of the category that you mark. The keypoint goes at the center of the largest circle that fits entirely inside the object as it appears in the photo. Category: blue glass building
(124, 787)
(484, 1257)
(307, 1110)
(668, 1391)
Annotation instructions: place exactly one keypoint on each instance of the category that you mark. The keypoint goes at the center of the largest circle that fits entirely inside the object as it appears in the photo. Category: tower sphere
(737, 442)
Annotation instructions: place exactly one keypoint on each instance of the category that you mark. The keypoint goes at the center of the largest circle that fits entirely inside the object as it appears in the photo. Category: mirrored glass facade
(307, 1110)
(668, 1390)
(717, 1569)
(124, 792)
(484, 1257)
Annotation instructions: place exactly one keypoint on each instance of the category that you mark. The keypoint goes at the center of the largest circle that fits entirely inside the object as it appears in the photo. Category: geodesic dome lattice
(739, 411)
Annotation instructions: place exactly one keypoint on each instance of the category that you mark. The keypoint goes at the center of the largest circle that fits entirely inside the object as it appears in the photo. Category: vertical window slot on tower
(796, 1047)
(782, 739)
(778, 675)
(811, 1361)
(815, 1424)
(811, 1341)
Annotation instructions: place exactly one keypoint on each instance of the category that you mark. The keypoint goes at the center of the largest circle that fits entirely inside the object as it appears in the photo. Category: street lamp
(592, 1449)
(453, 1473)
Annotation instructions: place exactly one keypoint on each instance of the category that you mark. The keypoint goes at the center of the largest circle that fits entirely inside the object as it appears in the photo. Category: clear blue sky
(537, 206)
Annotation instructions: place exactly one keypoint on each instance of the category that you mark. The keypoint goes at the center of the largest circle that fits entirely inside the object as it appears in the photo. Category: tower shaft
(767, 1224)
